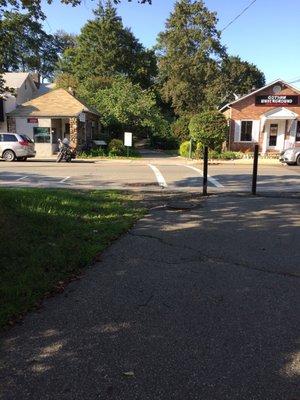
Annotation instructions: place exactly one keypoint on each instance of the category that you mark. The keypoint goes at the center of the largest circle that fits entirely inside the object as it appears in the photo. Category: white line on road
(20, 179)
(64, 180)
(160, 179)
(210, 179)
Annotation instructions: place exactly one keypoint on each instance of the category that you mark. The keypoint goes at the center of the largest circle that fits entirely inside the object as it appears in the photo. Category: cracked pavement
(199, 303)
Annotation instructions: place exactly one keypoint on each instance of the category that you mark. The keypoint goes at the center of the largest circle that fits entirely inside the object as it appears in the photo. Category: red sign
(32, 120)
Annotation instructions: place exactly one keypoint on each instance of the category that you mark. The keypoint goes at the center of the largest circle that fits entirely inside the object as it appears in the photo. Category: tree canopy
(209, 128)
(106, 48)
(34, 6)
(25, 46)
(189, 52)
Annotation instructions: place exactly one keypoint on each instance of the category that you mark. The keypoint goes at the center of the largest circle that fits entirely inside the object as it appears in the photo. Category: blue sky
(267, 35)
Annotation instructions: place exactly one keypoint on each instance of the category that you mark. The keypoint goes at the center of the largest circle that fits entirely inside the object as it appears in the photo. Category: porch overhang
(279, 113)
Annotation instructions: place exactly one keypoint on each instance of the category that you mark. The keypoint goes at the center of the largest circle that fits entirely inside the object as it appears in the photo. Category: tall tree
(238, 78)
(25, 46)
(34, 6)
(106, 48)
(190, 54)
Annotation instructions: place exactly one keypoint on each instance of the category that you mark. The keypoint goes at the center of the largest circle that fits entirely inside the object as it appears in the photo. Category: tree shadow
(202, 303)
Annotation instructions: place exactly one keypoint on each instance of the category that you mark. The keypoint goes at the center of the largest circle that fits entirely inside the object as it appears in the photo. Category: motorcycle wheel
(59, 157)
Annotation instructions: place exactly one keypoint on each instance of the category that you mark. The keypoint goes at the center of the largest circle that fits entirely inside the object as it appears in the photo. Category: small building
(52, 116)
(269, 117)
(20, 87)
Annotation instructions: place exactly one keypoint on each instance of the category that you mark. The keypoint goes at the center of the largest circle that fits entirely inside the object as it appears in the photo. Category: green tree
(180, 128)
(123, 106)
(106, 48)
(25, 46)
(209, 128)
(34, 6)
(237, 77)
(190, 53)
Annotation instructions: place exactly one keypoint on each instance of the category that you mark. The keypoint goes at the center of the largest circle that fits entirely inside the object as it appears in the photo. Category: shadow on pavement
(199, 304)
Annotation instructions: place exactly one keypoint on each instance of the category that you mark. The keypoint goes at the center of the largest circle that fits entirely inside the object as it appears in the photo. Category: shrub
(213, 155)
(184, 149)
(180, 128)
(163, 142)
(230, 155)
(199, 151)
(210, 128)
(116, 148)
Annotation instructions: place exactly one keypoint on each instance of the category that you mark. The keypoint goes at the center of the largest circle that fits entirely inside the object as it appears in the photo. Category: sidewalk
(199, 301)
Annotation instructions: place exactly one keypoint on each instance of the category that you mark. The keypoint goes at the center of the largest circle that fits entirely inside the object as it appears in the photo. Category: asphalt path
(196, 302)
(153, 171)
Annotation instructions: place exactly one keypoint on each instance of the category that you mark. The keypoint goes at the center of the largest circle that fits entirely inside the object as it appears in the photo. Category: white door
(275, 134)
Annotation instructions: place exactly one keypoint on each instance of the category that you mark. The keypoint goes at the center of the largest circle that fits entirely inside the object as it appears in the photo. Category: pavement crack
(147, 236)
(147, 301)
(205, 257)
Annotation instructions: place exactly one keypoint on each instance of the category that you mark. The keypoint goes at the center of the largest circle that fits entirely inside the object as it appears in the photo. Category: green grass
(48, 236)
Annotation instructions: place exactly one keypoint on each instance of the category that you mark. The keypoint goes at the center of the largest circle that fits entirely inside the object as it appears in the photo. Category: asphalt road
(198, 303)
(151, 172)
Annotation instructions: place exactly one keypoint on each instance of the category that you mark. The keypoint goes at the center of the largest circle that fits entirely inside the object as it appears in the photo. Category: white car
(291, 156)
(16, 147)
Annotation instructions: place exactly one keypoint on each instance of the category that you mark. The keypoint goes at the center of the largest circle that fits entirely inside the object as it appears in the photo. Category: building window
(273, 134)
(246, 131)
(41, 135)
(1, 110)
(298, 132)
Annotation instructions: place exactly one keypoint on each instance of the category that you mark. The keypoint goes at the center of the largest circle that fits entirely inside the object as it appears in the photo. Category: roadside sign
(82, 117)
(128, 139)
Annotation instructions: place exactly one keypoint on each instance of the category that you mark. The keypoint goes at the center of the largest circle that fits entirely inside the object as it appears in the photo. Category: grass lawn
(49, 235)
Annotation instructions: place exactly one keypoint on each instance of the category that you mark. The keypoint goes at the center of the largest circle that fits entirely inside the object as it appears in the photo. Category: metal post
(127, 151)
(205, 167)
(255, 167)
(190, 149)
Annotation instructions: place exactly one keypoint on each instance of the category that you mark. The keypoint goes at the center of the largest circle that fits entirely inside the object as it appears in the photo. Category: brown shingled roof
(56, 103)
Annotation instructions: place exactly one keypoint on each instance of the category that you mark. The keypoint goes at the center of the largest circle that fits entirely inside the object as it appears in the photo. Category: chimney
(36, 78)
(71, 91)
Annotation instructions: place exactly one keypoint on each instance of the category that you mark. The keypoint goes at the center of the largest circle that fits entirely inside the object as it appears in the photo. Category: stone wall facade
(11, 124)
(82, 133)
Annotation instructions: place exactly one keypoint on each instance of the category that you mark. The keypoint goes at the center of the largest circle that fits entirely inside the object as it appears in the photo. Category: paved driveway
(152, 172)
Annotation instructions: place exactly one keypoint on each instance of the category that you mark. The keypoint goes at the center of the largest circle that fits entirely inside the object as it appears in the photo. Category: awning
(279, 113)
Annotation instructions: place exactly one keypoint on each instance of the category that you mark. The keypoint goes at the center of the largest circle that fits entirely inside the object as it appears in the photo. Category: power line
(238, 16)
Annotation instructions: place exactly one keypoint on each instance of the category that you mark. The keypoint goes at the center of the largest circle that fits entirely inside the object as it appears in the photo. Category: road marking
(20, 179)
(160, 179)
(210, 179)
(64, 180)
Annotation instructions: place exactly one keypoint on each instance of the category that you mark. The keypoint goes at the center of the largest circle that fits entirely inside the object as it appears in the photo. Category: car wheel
(8, 155)
(298, 161)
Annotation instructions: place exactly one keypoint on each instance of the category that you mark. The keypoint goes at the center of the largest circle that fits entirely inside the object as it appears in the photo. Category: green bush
(230, 155)
(213, 155)
(226, 155)
(163, 142)
(180, 128)
(198, 151)
(209, 128)
(184, 149)
(116, 148)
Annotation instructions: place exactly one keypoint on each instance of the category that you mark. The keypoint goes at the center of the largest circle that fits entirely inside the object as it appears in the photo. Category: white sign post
(128, 141)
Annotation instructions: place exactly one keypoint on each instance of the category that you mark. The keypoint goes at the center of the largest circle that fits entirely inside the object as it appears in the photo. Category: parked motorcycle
(66, 153)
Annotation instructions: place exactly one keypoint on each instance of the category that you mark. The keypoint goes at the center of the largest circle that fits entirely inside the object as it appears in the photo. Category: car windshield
(26, 138)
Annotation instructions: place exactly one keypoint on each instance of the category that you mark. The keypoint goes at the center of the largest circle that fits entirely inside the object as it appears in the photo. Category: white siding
(255, 130)
(22, 126)
(237, 130)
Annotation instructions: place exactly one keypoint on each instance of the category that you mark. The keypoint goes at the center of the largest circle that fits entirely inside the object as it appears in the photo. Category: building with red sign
(269, 117)
(55, 115)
